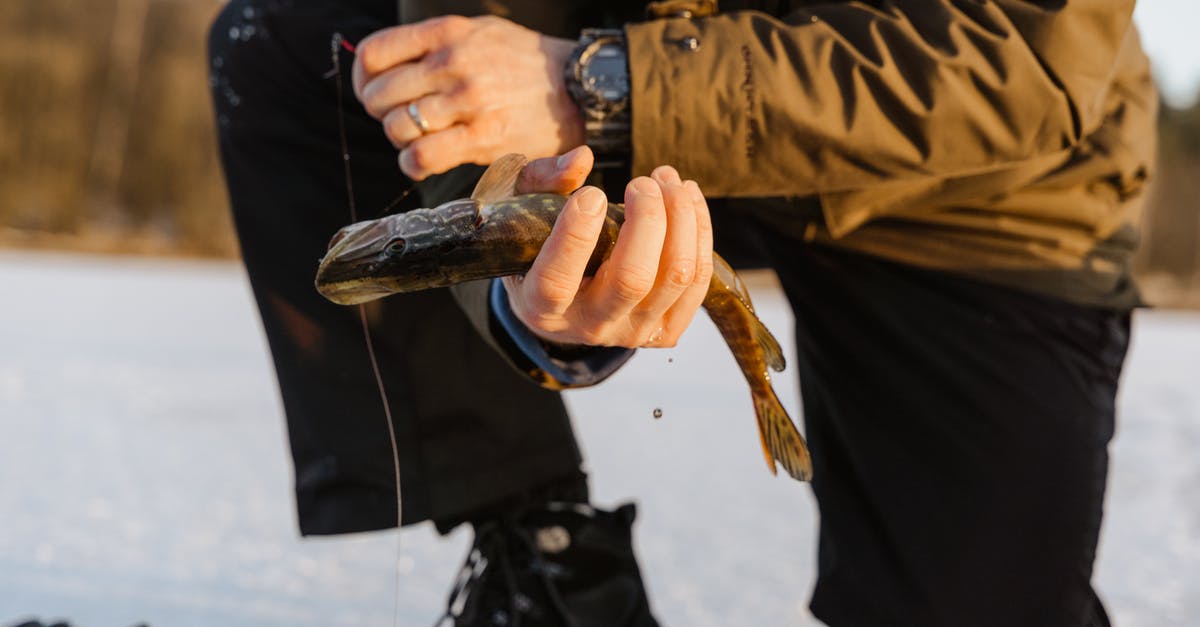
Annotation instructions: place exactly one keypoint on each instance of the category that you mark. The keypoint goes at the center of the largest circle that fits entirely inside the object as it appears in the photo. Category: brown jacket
(1010, 140)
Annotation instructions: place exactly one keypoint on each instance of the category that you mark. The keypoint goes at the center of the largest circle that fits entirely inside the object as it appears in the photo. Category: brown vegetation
(1168, 263)
(107, 141)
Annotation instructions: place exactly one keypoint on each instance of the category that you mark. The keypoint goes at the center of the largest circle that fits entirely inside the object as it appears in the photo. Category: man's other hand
(647, 292)
(484, 86)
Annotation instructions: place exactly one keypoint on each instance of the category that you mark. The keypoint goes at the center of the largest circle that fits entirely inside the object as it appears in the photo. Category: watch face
(606, 74)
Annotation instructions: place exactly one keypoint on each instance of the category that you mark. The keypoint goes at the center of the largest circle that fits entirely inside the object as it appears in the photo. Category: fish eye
(397, 246)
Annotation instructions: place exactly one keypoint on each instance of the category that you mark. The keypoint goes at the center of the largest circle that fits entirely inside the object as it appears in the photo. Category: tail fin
(780, 439)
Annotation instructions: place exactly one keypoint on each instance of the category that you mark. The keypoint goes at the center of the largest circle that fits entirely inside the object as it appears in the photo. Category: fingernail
(694, 190)
(646, 187)
(667, 174)
(408, 165)
(591, 201)
(563, 160)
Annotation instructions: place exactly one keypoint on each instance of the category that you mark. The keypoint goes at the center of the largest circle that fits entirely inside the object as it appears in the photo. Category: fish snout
(360, 240)
(339, 236)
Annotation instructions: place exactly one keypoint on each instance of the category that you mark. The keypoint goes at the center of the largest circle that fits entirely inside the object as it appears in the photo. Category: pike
(495, 233)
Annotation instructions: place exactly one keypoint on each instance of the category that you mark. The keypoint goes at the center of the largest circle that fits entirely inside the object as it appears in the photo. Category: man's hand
(647, 292)
(485, 86)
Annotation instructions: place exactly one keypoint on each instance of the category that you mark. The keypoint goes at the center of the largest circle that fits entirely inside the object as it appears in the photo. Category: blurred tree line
(1168, 262)
(107, 140)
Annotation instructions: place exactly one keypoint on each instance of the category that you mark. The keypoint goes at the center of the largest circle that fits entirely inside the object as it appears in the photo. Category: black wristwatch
(597, 77)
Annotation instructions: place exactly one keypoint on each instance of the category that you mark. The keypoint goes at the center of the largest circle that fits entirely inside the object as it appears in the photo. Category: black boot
(559, 565)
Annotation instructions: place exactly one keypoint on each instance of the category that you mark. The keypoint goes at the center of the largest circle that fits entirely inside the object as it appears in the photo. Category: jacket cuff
(552, 367)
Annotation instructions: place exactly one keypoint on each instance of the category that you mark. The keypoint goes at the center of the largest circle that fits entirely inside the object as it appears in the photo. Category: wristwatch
(597, 77)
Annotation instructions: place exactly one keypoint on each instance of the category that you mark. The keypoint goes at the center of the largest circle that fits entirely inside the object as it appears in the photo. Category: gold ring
(415, 114)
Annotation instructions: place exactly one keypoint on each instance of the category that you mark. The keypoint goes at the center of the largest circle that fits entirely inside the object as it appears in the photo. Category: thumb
(559, 175)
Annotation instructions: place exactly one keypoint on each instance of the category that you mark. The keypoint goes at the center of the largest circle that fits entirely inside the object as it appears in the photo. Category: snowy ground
(143, 473)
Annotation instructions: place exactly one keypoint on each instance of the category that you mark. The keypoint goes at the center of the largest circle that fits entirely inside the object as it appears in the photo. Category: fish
(496, 233)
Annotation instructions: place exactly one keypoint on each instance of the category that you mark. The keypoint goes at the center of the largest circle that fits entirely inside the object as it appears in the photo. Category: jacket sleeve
(552, 367)
(870, 105)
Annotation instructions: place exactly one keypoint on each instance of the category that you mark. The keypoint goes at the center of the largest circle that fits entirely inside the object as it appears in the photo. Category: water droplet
(234, 33)
(670, 360)
(248, 12)
(248, 32)
(218, 61)
(657, 413)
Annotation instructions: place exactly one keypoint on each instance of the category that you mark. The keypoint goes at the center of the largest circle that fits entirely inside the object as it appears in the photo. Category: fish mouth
(343, 276)
(352, 292)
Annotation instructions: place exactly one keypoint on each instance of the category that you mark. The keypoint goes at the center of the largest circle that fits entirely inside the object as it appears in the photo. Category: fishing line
(337, 44)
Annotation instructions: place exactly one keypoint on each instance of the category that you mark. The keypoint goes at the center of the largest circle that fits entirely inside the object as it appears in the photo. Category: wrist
(571, 117)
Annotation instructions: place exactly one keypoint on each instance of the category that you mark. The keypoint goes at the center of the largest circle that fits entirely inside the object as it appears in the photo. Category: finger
(628, 275)
(553, 280)
(439, 112)
(437, 152)
(401, 44)
(397, 86)
(704, 233)
(677, 262)
(679, 317)
(560, 175)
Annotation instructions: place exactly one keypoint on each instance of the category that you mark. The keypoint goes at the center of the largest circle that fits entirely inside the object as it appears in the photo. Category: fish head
(398, 253)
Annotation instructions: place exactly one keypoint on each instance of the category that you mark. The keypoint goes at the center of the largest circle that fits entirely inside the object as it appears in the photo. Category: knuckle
(704, 271)
(485, 132)
(594, 335)
(368, 53)
(470, 93)
(419, 158)
(679, 274)
(444, 26)
(552, 289)
(576, 242)
(443, 61)
(646, 212)
(487, 127)
(371, 105)
(632, 283)
(454, 23)
(393, 127)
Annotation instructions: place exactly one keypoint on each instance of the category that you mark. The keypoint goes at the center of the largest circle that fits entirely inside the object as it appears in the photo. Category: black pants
(959, 430)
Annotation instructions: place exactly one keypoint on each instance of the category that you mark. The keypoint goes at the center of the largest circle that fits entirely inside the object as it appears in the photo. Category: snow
(144, 474)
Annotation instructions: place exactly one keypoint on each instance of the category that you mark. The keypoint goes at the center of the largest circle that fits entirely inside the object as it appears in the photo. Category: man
(946, 188)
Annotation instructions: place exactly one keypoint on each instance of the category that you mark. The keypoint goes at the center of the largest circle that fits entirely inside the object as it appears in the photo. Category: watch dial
(607, 75)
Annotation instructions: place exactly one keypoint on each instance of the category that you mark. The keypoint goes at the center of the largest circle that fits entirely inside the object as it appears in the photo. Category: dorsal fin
(499, 181)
